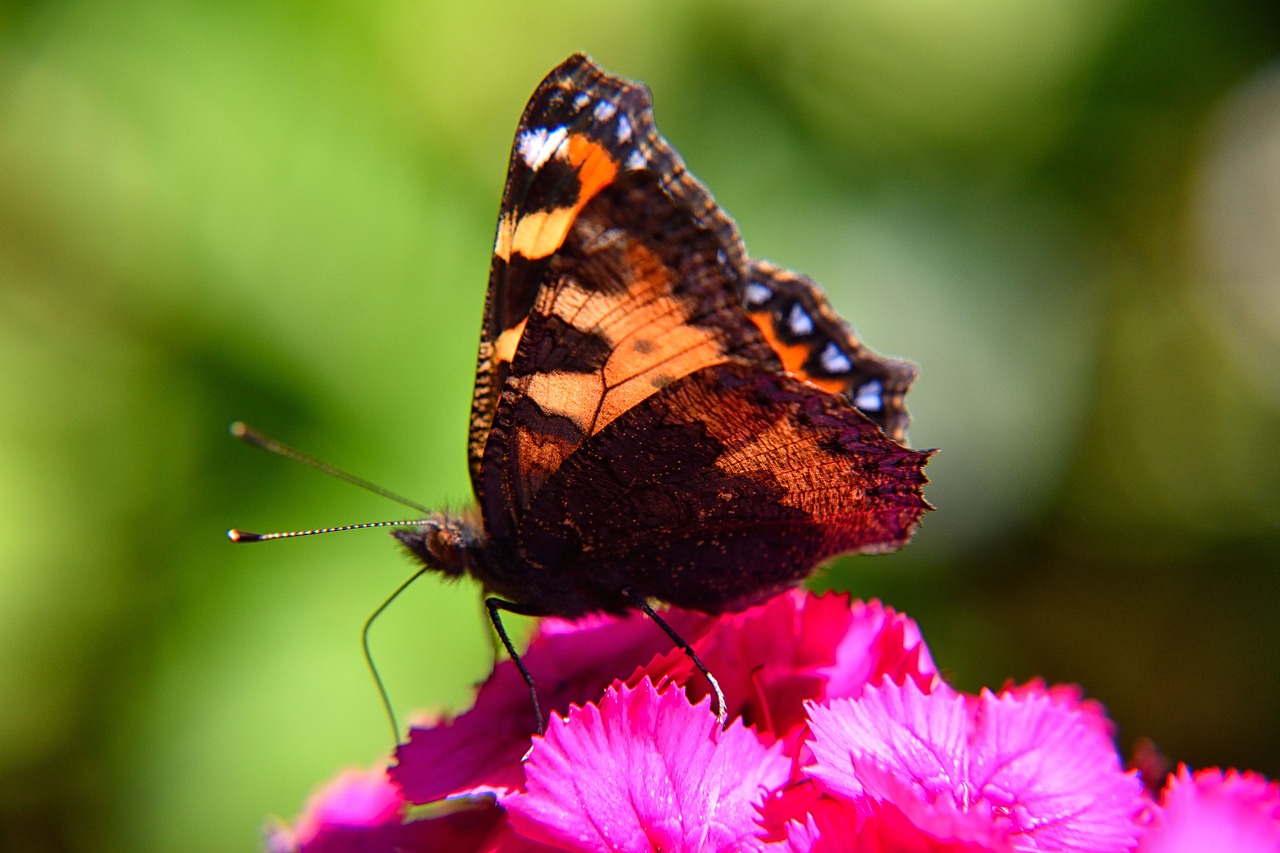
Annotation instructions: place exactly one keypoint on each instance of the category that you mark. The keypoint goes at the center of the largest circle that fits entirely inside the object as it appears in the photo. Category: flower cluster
(843, 737)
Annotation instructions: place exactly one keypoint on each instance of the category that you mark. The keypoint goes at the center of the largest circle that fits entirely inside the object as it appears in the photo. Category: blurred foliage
(1066, 213)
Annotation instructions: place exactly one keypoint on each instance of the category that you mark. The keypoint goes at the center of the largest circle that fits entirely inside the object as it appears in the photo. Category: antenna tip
(243, 536)
(242, 431)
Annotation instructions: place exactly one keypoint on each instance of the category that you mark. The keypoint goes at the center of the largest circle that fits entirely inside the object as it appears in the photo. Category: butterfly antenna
(251, 436)
(245, 536)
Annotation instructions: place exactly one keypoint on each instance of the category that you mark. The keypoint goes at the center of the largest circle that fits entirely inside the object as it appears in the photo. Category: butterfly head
(445, 543)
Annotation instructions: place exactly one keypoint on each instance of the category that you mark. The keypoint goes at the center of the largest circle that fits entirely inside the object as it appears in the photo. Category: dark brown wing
(722, 489)
(637, 296)
(815, 344)
(580, 131)
(633, 427)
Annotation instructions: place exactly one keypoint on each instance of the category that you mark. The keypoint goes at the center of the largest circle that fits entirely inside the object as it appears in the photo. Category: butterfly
(657, 417)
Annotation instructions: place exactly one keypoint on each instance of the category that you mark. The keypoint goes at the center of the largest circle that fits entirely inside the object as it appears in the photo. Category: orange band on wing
(538, 235)
(596, 169)
(793, 356)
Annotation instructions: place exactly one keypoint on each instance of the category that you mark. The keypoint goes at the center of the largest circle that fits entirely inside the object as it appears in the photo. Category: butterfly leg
(493, 605)
(641, 604)
(368, 653)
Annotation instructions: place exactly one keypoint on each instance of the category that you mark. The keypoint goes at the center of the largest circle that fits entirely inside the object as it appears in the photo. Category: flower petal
(1054, 767)
(797, 646)
(839, 826)
(1216, 811)
(1033, 764)
(480, 750)
(355, 804)
(919, 737)
(645, 770)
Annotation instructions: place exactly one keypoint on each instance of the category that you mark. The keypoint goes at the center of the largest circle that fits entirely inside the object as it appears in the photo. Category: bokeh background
(1067, 213)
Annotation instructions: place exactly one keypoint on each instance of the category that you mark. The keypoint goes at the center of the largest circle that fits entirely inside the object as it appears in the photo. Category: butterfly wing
(581, 130)
(578, 284)
(637, 297)
(632, 425)
(724, 488)
(816, 345)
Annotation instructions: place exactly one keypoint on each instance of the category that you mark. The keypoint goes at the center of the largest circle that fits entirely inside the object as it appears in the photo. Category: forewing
(581, 130)
(637, 297)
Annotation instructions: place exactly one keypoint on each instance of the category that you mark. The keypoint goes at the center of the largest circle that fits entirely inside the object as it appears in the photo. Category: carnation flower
(643, 771)
(773, 658)
(1216, 811)
(481, 750)
(362, 811)
(355, 801)
(841, 737)
(1026, 770)
(769, 660)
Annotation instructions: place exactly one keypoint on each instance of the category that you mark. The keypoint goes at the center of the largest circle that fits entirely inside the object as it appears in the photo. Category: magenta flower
(1024, 770)
(842, 737)
(644, 771)
(481, 750)
(363, 812)
(773, 658)
(769, 660)
(355, 801)
(1216, 811)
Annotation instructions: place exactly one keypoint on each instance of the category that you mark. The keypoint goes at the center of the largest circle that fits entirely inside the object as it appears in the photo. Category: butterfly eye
(447, 547)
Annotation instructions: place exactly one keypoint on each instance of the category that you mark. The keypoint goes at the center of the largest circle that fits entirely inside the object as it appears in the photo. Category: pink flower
(842, 739)
(769, 660)
(481, 750)
(644, 770)
(363, 812)
(772, 658)
(1025, 768)
(1216, 811)
(809, 821)
(355, 800)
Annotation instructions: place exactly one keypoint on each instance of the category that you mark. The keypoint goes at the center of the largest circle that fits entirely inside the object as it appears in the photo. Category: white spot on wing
(757, 293)
(581, 100)
(624, 128)
(833, 360)
(635, 160)
(604, 110)
(537, 145)
(870, 396)
(799, 321)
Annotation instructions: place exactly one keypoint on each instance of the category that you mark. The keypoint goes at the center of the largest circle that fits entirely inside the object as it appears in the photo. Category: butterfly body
(657, 416)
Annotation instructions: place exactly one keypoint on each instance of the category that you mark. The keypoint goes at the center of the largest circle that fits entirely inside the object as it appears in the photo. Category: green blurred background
(1067, 213)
